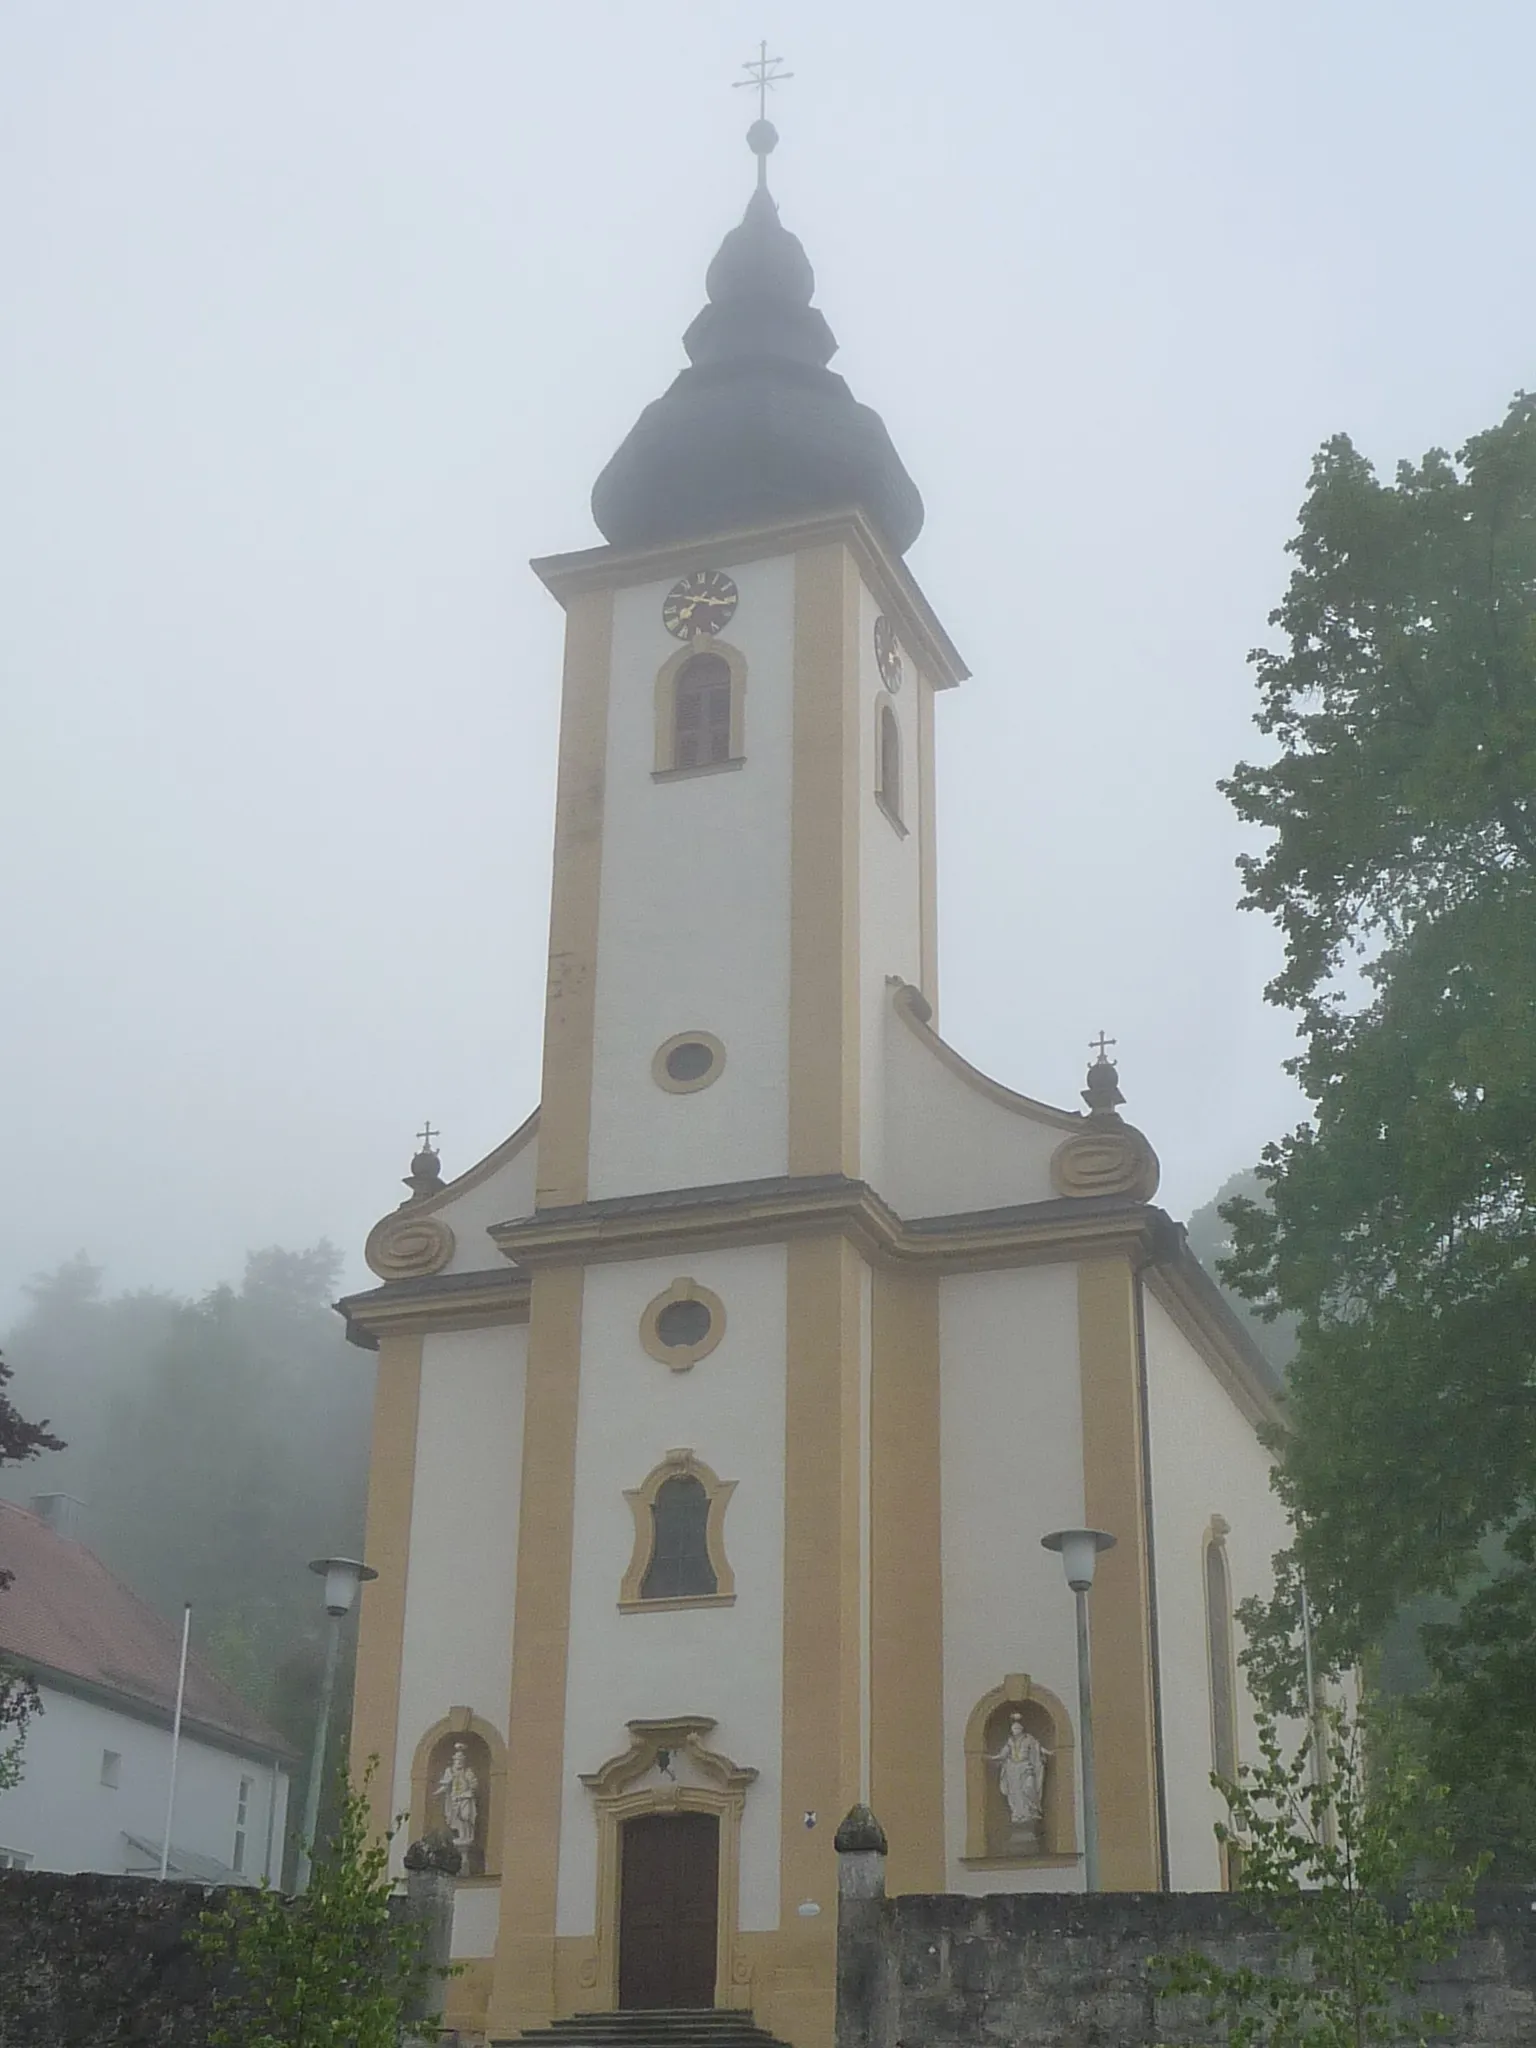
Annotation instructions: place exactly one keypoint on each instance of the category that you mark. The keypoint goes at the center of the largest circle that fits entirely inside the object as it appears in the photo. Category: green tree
(20, 1441)
(1328, 1861)
(218, 1445)
(333, 1968)
(1399, 1226)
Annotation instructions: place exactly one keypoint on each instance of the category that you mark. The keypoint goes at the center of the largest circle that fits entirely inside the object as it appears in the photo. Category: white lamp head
(1079, 1553)
(343, 1576)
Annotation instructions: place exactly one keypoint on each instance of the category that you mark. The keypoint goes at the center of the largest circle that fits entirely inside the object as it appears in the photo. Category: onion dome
(757, 429)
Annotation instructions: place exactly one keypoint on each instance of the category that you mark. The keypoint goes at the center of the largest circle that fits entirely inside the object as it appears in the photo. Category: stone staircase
(711, 2027)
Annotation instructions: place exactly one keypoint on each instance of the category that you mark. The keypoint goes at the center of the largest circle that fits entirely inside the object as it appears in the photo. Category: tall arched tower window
(888, 765)
(701, 713)
(1218, 1628)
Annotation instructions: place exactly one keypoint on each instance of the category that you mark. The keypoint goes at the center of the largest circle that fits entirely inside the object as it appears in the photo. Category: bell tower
(746, 762)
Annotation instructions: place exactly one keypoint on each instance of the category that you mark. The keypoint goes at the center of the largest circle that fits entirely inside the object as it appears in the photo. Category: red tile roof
(66, 1613)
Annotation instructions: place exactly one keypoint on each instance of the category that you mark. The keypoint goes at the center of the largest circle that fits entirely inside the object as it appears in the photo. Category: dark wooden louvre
(701, 735)
(890, 761)
(679, 1566)
(1218, 1607)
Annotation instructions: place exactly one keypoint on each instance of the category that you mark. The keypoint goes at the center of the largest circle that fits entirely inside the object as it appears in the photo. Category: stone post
(861, 1850)
(431, 1865)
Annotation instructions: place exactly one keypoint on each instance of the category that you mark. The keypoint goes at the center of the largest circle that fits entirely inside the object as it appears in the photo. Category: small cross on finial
(425, 1136)
(762, 74)
(1101, 1045)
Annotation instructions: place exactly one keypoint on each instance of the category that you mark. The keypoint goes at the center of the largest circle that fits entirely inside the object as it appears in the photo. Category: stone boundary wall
(90, 1961)
(1060, 1970)
(94, 1962)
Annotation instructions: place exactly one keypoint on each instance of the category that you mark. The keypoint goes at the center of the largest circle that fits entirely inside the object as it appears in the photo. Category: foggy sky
(322, 316)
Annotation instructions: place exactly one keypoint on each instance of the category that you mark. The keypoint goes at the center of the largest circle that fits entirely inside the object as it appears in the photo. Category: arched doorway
(669, 1892)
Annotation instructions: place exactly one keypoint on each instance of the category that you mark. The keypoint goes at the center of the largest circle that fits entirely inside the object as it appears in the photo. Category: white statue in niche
(459, 1790)
(1021, 1776)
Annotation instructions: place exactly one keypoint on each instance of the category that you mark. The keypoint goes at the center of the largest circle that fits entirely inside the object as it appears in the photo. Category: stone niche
(484, 1755)
(992, 1837)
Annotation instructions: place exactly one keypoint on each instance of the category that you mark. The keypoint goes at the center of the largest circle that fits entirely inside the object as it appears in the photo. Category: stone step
(662, 2027)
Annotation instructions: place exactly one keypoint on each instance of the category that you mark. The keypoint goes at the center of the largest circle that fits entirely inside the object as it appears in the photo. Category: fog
(322, 317)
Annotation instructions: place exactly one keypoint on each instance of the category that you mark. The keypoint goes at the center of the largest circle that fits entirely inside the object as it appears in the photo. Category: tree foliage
(1328, 1858)
(20, 1441)
(1399, 1228)
(217, 1445)
(333, 1968)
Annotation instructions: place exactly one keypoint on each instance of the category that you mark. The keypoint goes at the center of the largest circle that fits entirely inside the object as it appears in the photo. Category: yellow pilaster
(824, 868)
(523, 1987)
(906, 1593)
(565, 1115)
(822, 1569)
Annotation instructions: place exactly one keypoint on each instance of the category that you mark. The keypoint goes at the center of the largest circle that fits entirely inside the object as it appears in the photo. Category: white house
(97, 1760)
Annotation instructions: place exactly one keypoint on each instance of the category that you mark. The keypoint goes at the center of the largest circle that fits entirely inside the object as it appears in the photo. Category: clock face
(702, 603)
(887, 654)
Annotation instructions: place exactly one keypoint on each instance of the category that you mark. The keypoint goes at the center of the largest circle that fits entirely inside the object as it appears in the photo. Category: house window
(888, 766)
(111, 1764)
(1218, 1622)
(701, 713)
(242, 1812)
(14, 1859)
(679, 1555)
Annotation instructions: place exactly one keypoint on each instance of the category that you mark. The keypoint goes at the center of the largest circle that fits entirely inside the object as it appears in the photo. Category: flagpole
(181, 1693)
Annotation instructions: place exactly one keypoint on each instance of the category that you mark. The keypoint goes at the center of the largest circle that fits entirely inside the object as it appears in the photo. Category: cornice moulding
(894, 585)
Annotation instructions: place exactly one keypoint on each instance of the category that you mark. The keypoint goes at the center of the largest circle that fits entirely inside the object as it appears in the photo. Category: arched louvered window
(1218, 1625)
(888, 765)
(679, 1555)
(701, 713)
(679, 1568)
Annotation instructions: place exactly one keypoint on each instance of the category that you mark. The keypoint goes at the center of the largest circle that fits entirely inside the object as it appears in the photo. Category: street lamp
(343, 1576)
(1079, 1550)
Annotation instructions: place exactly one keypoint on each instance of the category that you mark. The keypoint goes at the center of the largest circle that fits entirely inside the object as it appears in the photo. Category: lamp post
(1079, 1550)
(343, 1576)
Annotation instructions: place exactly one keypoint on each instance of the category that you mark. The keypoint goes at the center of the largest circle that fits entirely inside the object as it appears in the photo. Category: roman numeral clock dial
(700, 605)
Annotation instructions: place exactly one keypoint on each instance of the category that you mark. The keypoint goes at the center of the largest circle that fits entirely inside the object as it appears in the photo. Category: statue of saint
(1021, 1774)
(459, 1790)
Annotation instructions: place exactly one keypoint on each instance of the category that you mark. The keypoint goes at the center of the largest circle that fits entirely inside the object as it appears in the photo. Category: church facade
(722, 1409)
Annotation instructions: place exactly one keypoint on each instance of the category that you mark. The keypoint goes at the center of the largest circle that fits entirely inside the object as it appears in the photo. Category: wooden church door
(668, 1910)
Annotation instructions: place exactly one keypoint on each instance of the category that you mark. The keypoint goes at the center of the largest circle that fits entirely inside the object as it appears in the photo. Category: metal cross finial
(426, 1134)
(1101, 1045)
(763, 76)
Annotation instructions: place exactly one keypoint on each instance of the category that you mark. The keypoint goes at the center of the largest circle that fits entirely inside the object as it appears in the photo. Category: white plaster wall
(693, 923)
(1011, 1470)
(948, 1147)
(722, 1661)
(1206, 1460)
(64, 1818)
(508, 1192)
(890, 884)
(476, 1911)
(461, 1577)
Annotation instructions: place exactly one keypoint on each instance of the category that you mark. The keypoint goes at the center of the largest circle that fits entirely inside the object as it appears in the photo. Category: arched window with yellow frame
(701, 711)
(888, 764)
(679, 1556)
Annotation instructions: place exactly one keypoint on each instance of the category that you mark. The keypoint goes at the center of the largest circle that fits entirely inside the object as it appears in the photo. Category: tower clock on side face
(887, 654)
(702, 603)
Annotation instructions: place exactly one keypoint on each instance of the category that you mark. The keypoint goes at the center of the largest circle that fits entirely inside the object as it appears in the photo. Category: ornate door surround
(618, 1796)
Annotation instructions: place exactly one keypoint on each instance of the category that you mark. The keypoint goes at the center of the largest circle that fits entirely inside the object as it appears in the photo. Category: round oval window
(689, 1061)
(682, 1324)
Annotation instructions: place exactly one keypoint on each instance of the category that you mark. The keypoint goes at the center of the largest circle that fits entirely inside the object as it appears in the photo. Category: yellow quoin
(721, 1409)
